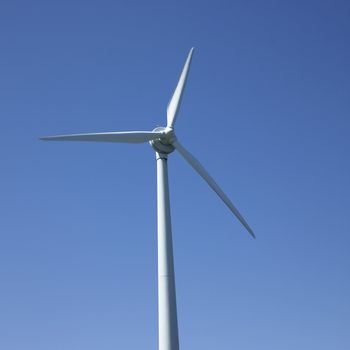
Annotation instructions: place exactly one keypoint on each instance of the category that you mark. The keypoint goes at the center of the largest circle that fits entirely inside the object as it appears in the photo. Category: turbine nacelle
(164, 144)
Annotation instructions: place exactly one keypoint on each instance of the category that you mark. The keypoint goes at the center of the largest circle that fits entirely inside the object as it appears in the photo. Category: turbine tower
(164, 141)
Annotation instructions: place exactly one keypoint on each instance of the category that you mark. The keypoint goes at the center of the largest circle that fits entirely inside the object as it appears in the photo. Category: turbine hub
(164, 144)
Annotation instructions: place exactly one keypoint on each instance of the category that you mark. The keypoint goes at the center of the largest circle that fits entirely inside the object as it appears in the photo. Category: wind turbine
(164, 141)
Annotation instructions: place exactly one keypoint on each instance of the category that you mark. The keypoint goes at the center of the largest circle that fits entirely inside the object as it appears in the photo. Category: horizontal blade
(174, 104)
(125, 136)
(211, 182)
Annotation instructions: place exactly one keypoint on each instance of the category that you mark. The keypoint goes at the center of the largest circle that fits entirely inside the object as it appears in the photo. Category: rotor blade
(126, 136)
(211, 182)
(174, 104)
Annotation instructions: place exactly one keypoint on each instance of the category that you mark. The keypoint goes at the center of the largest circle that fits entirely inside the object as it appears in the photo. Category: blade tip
(49, 138)
(251, 232)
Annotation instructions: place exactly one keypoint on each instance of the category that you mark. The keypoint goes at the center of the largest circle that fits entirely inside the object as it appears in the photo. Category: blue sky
(266, 110)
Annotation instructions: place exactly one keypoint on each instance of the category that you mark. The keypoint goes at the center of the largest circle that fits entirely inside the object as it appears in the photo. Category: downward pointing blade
(126, 136)
(174, 104)
(211, 182)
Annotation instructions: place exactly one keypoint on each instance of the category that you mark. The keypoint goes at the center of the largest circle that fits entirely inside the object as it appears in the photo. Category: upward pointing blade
(125, 136)
(211, 182)
(174, 104)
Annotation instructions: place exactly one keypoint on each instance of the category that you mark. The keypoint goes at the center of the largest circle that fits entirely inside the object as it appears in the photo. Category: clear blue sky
(266, 110)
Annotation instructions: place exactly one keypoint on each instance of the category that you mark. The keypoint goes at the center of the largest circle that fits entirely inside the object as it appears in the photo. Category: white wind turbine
(164, 141)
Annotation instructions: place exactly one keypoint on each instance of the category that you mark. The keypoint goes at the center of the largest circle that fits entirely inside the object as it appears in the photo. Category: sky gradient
(266, 110)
